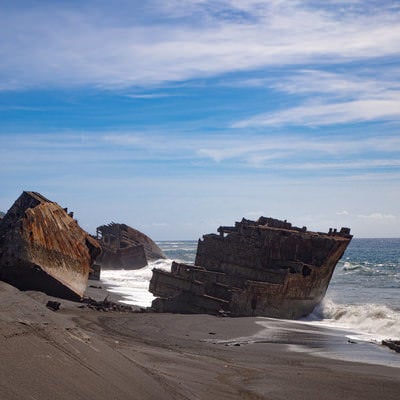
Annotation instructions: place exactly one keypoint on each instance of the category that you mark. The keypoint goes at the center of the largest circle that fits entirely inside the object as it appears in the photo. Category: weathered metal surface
(43, 248)
(94, 272)
(265, 267)
(125, 248)
(392, 344)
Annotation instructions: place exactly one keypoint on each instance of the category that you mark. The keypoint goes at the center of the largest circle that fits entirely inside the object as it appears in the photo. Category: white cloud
(377, 216)
(343, 212)
(159, 224)
(259, 149)
(372, 84)
(273, 152)
(320, 114)
(160, 41)
(345, 164)
(374, 178)
(148, 95)
(337, 98)
(126, 139)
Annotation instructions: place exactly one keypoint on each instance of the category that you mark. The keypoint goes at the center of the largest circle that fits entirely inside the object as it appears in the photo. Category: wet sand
(84, 354)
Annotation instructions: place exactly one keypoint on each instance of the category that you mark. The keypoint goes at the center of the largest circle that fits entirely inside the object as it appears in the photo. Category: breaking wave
(347, 266)
(373, 322)
(368, 269)
(133, 285)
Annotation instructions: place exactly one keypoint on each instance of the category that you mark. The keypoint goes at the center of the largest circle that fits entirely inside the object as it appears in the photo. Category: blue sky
(178, 116)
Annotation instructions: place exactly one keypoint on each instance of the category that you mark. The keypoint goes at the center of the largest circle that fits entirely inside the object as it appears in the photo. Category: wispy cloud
(338, 98)
(378, 216)
(124, 139)
(343, 212)
(160, 42)
(333, 84)
(288, 146)
(287, 153)
(320, 114)
(345, 164)
(275, 69)
(148, 95)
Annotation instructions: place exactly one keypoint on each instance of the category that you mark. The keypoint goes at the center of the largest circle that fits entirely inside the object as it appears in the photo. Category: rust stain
(43, 248)
(266, 267)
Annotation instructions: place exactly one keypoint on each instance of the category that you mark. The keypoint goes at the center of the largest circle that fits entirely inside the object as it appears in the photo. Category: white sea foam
(372, 322)
(365, 268)
(133, 285)
(358, 279)
(347, 266)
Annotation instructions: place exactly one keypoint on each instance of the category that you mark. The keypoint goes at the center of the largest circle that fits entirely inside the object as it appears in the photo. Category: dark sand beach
(80, 353)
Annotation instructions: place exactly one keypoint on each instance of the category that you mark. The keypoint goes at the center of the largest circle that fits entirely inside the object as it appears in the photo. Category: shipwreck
(43, 248)
(256, 268)
(124, 247)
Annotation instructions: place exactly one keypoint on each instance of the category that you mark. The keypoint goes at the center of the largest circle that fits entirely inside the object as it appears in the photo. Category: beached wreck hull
(264, 268)
(43, 248)
(392, 344)
(124, 247)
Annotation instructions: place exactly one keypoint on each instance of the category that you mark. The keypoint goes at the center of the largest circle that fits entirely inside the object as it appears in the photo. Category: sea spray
(373, 322)
(363, 296)
(133, 285)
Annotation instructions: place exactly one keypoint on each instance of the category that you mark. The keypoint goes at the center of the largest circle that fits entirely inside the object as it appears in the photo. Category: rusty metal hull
(124, 247)
(43, 248)
(256, 268)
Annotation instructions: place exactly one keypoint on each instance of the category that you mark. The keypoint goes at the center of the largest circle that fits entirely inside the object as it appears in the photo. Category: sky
(176, 117)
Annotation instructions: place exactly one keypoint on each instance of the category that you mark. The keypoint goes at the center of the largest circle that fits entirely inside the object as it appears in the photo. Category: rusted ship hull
(43, 248)
(392, 344)
(124, 247)
(263, 268)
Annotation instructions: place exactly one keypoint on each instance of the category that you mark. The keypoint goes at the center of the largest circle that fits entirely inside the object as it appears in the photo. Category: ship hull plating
(256, 268)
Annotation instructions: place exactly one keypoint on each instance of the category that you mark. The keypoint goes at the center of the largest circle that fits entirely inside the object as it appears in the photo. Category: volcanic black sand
(79, 353)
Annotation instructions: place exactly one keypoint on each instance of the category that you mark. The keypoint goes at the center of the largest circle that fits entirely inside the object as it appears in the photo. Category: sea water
(133, 285)
(363, 296)
(364, 293)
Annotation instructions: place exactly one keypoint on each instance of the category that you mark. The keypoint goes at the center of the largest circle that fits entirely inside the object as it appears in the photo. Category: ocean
(363, 297)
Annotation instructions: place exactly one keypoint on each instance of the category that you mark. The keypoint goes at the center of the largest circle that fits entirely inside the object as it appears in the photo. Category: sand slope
(44, 355)
(83, 354)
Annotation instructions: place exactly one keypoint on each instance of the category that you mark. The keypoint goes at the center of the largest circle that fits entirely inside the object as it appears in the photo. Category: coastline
(81, 353)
